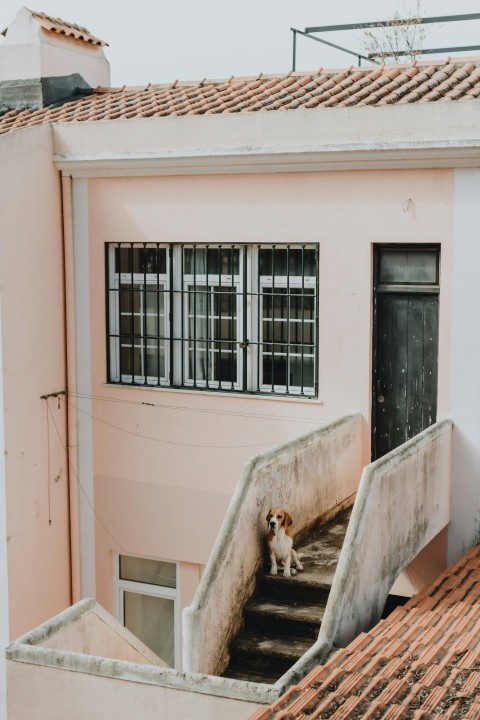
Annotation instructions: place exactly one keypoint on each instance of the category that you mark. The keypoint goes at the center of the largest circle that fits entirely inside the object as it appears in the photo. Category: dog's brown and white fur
(280, 541)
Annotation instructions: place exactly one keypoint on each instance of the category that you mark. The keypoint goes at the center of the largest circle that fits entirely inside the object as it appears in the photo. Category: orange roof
(423, 660)
(417, 82)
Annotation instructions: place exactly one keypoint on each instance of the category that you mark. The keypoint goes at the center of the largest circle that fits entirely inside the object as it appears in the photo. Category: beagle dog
(280, 541)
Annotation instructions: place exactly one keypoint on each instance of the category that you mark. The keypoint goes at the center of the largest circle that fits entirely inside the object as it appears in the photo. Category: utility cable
(170, 442)
(67, 456)
(285, 418)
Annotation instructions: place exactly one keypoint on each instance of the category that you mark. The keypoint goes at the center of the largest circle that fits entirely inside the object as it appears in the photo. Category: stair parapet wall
(403, 502)
(310, 475)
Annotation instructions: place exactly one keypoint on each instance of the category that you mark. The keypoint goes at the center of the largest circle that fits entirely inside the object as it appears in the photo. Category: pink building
(205, 276)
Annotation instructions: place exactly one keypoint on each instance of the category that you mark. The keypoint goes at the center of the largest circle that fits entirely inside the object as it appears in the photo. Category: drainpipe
(72, 464)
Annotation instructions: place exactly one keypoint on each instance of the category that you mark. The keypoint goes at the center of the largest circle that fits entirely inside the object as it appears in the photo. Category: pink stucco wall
(166, 497)
(58, 693)
(31, 291)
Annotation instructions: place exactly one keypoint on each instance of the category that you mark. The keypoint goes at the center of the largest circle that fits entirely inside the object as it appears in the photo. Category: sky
(153, 41)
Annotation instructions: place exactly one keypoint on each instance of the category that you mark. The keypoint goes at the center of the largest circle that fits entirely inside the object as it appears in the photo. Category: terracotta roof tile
(444, 81)
(62, 27)
(422, 661)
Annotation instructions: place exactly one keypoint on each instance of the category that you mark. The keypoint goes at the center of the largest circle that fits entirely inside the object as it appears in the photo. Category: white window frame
(140, 588)
(160, 281)
(225, 281)
(282, 282)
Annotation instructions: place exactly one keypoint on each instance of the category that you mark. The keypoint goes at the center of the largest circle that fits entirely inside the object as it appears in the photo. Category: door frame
(377, 248)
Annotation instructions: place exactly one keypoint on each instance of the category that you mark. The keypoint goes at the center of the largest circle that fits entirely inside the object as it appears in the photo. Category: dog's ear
(269, 515)
(288, 520)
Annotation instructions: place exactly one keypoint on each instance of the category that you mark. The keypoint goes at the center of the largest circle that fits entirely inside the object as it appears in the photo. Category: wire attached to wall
(207, 411)
(85, 494)
(46, 397)
(170, 442)
(48, 466)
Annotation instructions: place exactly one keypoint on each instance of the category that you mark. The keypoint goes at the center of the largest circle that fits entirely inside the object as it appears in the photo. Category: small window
(146, 603)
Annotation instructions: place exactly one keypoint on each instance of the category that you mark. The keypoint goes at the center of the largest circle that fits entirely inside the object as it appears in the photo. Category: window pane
(408, 266)
(288, 333)
(152, 619)
(153, 572)
(294, 262)
(212, 260)
(212, 320)
(129, 355)
(155, 359)
(296, 377)
(137, 259)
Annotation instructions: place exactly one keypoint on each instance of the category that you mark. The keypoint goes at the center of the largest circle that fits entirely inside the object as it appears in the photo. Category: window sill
(298, 399)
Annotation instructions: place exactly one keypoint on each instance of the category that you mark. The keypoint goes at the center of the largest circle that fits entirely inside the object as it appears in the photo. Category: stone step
(302, 587)
(257, 675)
(273, 653)
(281, 617)
(282, 620)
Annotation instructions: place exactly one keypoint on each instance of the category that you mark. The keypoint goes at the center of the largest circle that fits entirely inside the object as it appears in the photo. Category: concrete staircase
(282, 620)
(420, 663)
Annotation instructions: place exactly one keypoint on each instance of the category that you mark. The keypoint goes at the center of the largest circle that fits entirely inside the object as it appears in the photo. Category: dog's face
(277, 517)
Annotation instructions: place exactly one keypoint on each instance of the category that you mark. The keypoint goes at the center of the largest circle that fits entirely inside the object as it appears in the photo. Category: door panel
(405, 367)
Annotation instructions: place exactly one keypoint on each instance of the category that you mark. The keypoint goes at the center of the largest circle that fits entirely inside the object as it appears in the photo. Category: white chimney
(45, 60)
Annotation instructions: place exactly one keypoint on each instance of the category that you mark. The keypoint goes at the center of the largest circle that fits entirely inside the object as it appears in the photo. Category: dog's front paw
(273, 571)
(287, 573)
(298, 566)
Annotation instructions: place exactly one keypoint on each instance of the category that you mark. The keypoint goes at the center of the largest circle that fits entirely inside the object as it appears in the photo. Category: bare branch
(401, 38)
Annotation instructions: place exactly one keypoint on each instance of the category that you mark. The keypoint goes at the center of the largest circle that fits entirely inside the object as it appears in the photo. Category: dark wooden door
(405, 345)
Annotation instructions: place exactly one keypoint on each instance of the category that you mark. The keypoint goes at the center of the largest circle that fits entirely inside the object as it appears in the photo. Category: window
(146, 603)
(218, 317)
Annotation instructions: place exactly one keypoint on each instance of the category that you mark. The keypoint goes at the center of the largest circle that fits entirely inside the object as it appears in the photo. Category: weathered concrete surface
(42, 657)
(282, 621)
(403, 502)
(310, 476)
(36, 93)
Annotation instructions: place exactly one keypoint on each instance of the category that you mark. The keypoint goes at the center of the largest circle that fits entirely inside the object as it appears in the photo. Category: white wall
(33, 348)
(465, 364)
(4, 632)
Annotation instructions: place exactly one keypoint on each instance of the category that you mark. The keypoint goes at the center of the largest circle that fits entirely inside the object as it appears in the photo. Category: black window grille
(242, 318)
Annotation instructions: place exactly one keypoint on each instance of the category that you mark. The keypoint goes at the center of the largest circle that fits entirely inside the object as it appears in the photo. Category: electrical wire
(67, 457)
(285, 418)
(49, 470)
(170, 442)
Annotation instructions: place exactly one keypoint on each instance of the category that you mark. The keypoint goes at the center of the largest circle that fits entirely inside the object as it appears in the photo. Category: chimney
(45, 60)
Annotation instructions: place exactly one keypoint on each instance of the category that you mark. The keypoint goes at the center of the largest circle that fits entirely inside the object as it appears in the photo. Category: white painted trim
(4, 614)
(84, 387)
(316, 158)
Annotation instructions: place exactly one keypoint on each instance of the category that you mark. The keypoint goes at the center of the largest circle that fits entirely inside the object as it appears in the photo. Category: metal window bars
(237, 318)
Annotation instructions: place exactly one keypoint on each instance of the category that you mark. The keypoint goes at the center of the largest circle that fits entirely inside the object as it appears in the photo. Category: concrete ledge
(28, 649)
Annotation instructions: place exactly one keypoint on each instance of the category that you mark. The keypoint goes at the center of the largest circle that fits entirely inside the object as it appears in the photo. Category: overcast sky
(162, 40)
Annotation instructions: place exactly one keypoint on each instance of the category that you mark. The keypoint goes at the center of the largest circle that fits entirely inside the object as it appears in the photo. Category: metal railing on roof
(373, 57)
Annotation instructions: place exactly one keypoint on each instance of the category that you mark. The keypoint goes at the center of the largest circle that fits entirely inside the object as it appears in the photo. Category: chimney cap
(62, 27)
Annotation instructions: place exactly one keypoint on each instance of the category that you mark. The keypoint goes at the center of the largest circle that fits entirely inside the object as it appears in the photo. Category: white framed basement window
(146, 602)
